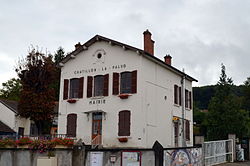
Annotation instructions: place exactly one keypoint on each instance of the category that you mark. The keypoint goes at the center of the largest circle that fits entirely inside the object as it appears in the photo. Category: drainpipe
(183, 140)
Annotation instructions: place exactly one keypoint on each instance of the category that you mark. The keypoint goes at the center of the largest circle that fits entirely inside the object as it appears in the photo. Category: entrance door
(97, 128)
(176, 134)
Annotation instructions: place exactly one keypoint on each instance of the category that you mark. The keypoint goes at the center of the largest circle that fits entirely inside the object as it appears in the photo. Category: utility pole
(183, 139)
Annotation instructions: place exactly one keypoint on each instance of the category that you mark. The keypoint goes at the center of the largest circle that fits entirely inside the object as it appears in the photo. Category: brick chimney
(168, 59)
(148, 43)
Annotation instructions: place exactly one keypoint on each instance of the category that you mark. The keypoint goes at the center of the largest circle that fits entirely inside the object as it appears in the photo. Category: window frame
(99, 84)
(124, 91)
(124, 123)
(74, 91)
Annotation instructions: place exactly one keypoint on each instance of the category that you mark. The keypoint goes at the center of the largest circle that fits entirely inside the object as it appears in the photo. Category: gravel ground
(247, 163)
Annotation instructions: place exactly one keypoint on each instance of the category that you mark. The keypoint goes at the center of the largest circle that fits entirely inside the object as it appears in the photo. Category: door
(97, 128)
(176, 134)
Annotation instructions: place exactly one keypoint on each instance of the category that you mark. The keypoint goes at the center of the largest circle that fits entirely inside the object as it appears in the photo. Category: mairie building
(116, 95)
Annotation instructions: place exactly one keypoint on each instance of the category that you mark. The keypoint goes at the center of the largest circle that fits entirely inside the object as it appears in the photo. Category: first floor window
(73, 88)
(126, 82)
(124, 123)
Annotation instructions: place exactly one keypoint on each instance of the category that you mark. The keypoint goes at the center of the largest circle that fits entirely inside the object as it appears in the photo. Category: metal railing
(37, 137)
(96, 141)
(217, 152)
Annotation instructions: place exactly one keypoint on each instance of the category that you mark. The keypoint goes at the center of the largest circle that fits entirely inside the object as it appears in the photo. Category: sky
(200, 35)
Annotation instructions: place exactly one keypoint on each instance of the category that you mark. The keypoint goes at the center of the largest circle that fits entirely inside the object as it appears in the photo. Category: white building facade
(116, 95)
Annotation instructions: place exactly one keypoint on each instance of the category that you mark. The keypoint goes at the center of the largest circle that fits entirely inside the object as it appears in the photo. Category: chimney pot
(148, 42)
(78, 45)
(168, 59)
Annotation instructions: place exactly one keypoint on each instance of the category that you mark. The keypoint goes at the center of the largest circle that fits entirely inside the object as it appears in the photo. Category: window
(76, 88)
(175, 94)
(187, 129)
(124, 123)
(71, 125)
(188, 99)
(98, 88)
(125, 82)
(101, 85)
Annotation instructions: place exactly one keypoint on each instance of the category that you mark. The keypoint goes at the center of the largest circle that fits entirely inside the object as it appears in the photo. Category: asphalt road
(247, 163)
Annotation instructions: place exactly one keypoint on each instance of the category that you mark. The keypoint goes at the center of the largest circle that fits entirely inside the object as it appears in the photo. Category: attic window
(99, 55)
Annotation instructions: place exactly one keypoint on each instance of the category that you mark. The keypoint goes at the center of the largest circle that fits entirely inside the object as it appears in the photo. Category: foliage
(37, 73)
(6, 142)
(58, 56)
(246, 99)
(224, 109)
(11, 89)
(63, 141)
(23, 141)
(200, 119)
(42, 145)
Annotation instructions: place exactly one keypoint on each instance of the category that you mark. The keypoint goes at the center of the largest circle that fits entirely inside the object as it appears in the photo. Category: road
(247, 163)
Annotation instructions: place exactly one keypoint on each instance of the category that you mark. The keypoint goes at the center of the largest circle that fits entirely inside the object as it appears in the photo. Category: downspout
(183, 141)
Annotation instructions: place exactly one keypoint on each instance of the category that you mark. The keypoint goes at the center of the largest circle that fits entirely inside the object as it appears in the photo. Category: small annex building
(116, 95)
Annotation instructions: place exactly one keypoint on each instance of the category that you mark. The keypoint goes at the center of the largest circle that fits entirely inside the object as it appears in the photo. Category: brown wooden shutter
(134, 82)
(65, 89)
(190, 100)
(89, 86)
(175, 94)
(187, 130)
(71, 125)
(80, 92)
(180, 97)
(124, 123)
(186, 98)
(115, 83)
(106, 85)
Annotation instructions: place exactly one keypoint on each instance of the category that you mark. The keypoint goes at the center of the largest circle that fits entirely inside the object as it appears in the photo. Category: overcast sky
(199, 34)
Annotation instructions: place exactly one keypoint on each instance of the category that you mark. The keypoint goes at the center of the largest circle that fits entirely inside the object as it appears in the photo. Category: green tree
(11, 89)
(224, 113)
(246, 97)
(37, 99)
(58, 56)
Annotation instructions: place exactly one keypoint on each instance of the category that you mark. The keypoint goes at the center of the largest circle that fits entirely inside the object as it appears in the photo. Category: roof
(13, 105)
(5, 128)
(96, 38)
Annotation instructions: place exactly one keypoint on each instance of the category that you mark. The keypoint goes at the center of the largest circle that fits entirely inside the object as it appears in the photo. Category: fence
(217, 152)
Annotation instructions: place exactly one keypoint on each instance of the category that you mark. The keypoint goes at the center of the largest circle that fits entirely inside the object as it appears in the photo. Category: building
(117, 95)
(11, 123)
(10, 118)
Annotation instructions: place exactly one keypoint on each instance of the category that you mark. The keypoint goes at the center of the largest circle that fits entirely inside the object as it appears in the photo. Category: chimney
(78, 45)
(148, 43)
(168, 59)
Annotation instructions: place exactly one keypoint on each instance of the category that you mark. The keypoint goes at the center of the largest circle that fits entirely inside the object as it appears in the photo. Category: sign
(131, 158)
(96, 158)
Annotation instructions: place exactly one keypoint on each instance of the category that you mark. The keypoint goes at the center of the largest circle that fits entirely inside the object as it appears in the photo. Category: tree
(59, 55)
(224, 113)
(11, 89)
(246, 97)
(37, 99)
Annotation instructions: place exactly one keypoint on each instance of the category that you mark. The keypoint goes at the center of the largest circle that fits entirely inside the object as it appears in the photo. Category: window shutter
(175, 94)
(134, 82)
(186, 98)
(89, 86)
(115, 83)
(106, 85)
(65, 89)
(80, 92)
(71, 125)
(180, 97)
(187, 130)
(124, 123)
(190, 100)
